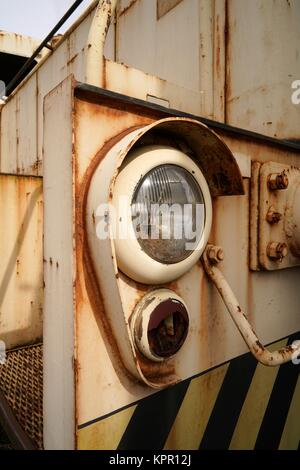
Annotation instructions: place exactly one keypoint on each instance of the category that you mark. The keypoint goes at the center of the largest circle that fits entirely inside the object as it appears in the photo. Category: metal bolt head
(277, 251)
(273, 217)
(278, 181)
(215, 254)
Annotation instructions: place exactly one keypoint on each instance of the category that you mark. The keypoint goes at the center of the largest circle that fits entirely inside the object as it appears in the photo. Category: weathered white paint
(59, 271)
(182, 48)
(213, 337)
(262, 62)
(24, 46)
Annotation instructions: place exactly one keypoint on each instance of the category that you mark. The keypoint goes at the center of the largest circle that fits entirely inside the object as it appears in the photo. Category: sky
(36, 18)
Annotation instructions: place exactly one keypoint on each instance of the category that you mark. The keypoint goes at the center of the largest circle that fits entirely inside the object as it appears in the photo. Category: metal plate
(280, 203)
(21, 267)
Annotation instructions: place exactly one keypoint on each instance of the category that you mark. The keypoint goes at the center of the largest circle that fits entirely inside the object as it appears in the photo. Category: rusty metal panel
(92, 119)
(21, 143)
(265, 303)
(8, 141)
(262, 62)
(21, 137)
(189, 427)
(21, 268)
(19, 133)
(59, 270)
(212, 341)
(150, 45)
(277, 230)
(133, 82)
(53, 71)
(17, 44)
(27, 138)
(196, 62)
(206, 57)
(219, 59)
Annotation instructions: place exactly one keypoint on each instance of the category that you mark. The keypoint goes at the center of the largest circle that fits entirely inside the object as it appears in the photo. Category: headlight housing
(162, 197)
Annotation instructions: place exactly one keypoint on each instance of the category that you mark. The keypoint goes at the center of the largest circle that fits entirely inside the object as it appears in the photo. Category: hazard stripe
(273, 423)
(237, 405)
(105, 434)
(194, 413)
(225, 414)
(255, 405)
(152, 420)
(291, 434)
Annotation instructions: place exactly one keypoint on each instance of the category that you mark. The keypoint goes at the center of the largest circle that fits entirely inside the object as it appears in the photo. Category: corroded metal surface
(210, 81)
(258, 97)
(210, 341)
(21, 268)
(20, 45)
(277, 231)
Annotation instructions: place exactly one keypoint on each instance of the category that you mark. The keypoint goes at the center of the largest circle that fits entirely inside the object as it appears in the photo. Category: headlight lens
(168, 213)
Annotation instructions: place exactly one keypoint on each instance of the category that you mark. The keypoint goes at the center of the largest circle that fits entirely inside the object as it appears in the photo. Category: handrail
(262, 354)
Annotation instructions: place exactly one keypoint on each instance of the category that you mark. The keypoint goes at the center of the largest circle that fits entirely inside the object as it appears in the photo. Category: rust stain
(260, 346)
(140, 290)
(85, 263)
(125, 10)
(209, 319)
(286, 350)
(104, 82)
(86, 281)
(218, 46)
(70, 61)
(158, 373)
(227, 62)
(55, 40)
(36, 167)
(161, 373)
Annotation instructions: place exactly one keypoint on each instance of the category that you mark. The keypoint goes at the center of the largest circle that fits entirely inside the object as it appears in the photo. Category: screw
(273, 217)
(277, 251)
(277, 181)
(215, 254)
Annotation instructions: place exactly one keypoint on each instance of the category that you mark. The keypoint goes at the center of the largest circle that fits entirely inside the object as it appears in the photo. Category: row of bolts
(275, 250)
(276, 182)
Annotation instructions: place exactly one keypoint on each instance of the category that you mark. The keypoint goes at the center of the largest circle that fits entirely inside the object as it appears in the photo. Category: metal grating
(21, 382)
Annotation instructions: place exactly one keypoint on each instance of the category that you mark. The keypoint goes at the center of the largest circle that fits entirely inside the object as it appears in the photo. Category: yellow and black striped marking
(238, 405)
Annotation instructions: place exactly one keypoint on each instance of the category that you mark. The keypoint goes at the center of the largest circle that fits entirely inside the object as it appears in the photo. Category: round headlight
(163, 211)
(164, 207)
